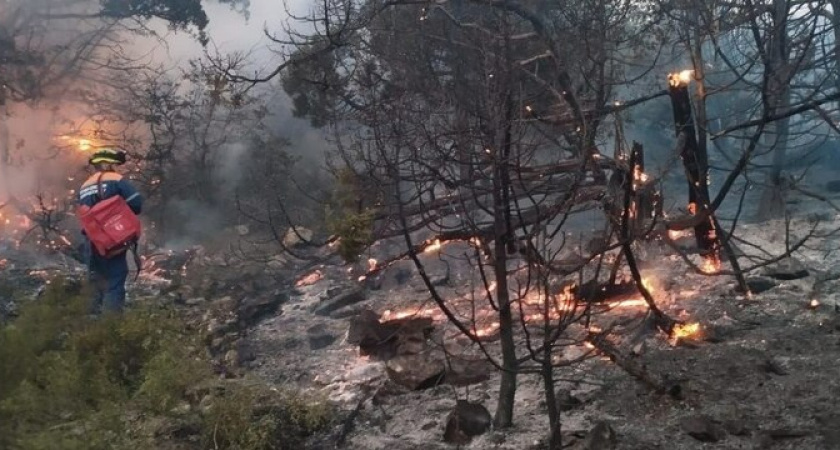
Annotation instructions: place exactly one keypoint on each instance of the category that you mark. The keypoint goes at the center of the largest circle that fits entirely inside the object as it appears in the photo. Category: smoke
(40, 147)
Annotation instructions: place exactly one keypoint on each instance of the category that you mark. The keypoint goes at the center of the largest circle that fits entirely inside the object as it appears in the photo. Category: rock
(253, 309)
(347, 298)
(601, 437)
(416, 372)
(195, 301)
(232, 358)
(703, 429)
(242, 230)
(388, 339)
(787, 269)
(465, 422)
(297, 236)
(776, 366)
(565, 400)
(366, 373)
(365, 329)
(318, 338)
(758, 285)
(466, 372)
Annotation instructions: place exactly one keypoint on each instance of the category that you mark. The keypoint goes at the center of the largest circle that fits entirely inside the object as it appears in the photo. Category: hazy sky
(230, 31)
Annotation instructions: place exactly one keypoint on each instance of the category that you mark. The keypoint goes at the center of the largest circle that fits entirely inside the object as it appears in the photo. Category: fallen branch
(659, 384)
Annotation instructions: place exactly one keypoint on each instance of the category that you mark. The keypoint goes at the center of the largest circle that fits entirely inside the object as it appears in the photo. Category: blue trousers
(107, 276)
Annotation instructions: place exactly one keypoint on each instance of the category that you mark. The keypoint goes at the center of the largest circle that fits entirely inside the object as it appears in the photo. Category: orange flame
(683, 331)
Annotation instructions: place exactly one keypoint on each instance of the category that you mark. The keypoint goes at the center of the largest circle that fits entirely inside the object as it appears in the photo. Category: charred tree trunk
(695, 162)
(555, 441)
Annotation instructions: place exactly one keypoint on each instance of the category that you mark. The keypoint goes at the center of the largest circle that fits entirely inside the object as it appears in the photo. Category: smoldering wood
(695, 162)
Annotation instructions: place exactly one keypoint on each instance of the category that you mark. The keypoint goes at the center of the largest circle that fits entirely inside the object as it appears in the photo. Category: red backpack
(111, 225)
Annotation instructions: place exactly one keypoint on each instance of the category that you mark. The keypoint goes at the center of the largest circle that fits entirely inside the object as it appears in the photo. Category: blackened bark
(695, 162)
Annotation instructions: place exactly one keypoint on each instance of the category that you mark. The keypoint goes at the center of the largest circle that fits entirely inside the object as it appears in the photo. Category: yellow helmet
(108, 156)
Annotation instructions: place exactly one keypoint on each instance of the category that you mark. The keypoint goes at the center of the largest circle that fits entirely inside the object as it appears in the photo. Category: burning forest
(596, 225)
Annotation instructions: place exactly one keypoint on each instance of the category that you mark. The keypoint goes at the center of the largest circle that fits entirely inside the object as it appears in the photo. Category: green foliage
(179, 13)
(355, 232)
(314, 84)
(69, 381)
(253, 417)
(348, 217)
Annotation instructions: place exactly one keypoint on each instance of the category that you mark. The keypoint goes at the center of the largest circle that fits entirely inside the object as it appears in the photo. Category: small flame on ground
(814, 304)
(433, 246)
(711, 264)
(372, 264)
(684, 330)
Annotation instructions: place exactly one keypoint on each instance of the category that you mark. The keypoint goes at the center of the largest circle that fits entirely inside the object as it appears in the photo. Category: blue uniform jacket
(112, 184)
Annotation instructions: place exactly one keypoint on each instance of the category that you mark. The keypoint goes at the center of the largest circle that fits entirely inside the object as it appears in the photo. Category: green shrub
(349, 217)
(68, 381)
(256, 418)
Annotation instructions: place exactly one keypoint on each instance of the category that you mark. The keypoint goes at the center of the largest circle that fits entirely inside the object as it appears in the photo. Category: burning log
(695, 161)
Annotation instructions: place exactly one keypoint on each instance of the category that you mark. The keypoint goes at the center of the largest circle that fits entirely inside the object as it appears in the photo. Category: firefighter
(108, 275)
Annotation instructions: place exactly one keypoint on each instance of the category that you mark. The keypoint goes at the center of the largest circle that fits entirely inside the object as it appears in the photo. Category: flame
(85, 145)
(680, 78)
(684, 330)
(814, 304)
(372, 264)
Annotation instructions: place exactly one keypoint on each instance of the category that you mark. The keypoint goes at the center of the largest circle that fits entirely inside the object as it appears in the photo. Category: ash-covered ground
(763, 372)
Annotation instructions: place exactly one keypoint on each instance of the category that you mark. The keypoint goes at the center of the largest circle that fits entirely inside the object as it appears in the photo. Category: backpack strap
(99, 186)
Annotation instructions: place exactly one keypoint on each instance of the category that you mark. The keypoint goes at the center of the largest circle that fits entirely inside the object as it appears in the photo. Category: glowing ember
(432, 312)
(310, 279)
(678, 234)
(814, 304)
(489, 330)
(634, 303)
(372, 264)
(433, 246)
